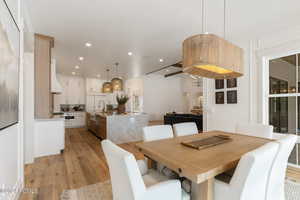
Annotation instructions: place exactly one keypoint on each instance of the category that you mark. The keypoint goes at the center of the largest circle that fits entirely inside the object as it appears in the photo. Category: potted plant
(122, 100)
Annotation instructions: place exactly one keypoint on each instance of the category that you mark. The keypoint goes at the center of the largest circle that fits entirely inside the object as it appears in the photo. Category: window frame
(266, 93)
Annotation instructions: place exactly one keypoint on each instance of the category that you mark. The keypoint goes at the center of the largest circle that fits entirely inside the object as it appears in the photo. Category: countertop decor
(122, 100)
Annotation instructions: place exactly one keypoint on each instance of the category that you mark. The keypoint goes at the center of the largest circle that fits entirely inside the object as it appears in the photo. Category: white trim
(293, 165)
(265, 90)
(205, 104)
(297, 67)
(250, 81)
(284, 95)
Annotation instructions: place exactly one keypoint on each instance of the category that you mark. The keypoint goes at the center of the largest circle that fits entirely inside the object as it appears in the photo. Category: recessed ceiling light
(88, 44)
(98, 75)
(161, 60)
(81, 58)
(76, 67)
(167, 70)
(73, 73)
(130, 53)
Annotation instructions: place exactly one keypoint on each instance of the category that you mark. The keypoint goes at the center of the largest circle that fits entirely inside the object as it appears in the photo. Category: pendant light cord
(202, 16)
(117, 73)
(107, 72)
(225, 19)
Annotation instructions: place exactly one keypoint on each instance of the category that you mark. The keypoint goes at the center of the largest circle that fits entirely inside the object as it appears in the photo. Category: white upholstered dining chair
(250, 178)
(159, 132)
(128, 183)
(275, 187)
(186, 128)
(254, 129)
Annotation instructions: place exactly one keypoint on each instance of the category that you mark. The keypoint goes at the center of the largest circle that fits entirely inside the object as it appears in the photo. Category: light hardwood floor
(82, 163)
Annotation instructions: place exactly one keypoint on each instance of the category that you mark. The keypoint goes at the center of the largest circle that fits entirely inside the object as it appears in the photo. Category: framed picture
(219, 84)
(9, 67)
(219, 97)
(232, 97)
(231, 83)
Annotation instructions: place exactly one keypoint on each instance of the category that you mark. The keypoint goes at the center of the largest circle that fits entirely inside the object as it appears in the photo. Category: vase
(121, 108)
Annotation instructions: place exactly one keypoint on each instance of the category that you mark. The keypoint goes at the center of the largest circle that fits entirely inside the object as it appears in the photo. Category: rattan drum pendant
(211, 56)
(117, 83)
(107, 86)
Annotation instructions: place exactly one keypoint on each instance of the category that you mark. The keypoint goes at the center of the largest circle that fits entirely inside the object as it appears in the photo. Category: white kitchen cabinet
(49, 136)
(94, 85)
(78, 121)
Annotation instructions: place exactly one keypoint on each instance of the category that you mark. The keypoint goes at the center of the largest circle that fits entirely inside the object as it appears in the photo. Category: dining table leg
(203, 191)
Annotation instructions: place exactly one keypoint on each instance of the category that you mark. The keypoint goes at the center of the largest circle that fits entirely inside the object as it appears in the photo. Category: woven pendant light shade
(117, 84)
(107, 86)
(210, 56)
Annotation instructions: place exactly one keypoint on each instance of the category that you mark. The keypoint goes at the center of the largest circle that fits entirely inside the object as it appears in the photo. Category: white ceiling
(150, 29)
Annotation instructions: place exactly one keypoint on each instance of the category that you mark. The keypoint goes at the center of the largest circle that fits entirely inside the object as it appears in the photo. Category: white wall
(29, 107)
(9, 157)
(252, 103)
(162, 95)
(11, 139)
(225, 116)
(280, 44)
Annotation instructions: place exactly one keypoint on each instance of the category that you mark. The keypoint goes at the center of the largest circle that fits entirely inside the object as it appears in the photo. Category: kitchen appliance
(74, 119)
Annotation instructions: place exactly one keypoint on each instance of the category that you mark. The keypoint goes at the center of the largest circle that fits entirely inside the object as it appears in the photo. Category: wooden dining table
(200, 166)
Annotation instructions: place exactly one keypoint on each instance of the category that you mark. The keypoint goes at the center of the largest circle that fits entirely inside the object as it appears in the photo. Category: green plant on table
(122, 99)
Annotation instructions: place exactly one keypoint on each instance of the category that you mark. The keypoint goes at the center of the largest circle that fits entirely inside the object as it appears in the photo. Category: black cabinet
(180, 118)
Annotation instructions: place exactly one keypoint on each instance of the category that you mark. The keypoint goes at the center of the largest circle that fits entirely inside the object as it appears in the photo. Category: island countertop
(101, 114)
(119, 128)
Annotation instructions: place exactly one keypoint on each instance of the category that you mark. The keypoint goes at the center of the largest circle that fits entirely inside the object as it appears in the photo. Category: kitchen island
(119, 129)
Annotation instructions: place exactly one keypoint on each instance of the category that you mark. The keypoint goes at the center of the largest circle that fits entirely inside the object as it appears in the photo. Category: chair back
(253, 129)
(183, 129)
(275, 187)
(126, 179)
(250, 178)
(151, 133)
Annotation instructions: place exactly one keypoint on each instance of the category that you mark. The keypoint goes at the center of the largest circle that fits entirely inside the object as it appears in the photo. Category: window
(284, 98)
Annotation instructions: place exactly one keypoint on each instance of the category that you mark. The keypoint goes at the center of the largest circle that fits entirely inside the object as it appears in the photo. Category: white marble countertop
(120, 115)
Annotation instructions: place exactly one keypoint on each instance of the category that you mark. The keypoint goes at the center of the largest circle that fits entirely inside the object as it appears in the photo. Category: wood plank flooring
(82, 163)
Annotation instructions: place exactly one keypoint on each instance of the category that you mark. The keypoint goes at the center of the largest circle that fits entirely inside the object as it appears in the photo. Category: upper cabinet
(42, 69)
